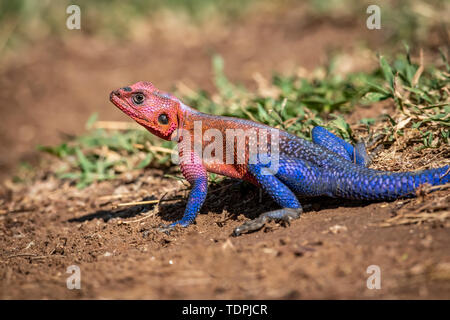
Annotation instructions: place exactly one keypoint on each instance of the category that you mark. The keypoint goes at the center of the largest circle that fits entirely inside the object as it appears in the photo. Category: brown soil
(49, 225)
(324, 254)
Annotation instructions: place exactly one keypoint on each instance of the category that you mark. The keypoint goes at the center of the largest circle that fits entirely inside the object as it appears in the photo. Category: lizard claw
(284, 215)
(165, 228)
(248, 226)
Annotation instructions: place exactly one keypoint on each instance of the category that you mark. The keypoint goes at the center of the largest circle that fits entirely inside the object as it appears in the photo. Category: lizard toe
(284, 215)
(249, 226)
(165, 228)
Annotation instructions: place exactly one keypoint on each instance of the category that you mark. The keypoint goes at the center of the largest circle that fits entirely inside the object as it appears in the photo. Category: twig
(439, 187)
(150, 214)
(128, 204)
(33, 256)
(21, 255)
(14, 211)
(419, 71)
(161, 149)
(140, 219)
(412, 218)
(115, 125)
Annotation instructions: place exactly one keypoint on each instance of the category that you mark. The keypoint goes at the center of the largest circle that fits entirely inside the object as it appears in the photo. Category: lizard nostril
(114, 93)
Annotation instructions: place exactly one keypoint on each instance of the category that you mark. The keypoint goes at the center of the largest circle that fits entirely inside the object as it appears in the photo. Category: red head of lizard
(159, 112)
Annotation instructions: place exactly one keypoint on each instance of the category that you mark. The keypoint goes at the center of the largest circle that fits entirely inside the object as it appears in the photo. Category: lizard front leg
(195, 173)
(291, 208)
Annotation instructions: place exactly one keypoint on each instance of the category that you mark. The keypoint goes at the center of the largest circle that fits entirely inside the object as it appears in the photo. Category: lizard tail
(372, 184)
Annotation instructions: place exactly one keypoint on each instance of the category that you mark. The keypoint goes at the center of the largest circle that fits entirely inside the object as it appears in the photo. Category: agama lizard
(327, 166)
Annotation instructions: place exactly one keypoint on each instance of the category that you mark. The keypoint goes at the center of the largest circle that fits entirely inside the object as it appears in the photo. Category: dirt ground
(324, 254)
(49, 225)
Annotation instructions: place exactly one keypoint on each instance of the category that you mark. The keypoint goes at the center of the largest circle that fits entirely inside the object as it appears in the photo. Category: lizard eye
(163, 119)
(138, 98)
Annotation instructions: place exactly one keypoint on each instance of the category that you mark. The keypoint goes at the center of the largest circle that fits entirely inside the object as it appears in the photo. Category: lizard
(326, 166)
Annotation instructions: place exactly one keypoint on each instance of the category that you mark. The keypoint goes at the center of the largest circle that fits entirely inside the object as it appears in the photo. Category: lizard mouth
(126, 108)
(115, 98)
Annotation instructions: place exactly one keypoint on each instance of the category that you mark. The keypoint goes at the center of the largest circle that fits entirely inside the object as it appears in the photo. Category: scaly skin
(328, 166)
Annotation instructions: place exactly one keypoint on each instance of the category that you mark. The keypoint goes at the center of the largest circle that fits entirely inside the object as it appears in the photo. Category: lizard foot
(165, 228)
(285, 215)
(362, 145)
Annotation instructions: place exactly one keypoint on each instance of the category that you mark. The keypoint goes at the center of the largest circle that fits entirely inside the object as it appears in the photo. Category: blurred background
(52, 78)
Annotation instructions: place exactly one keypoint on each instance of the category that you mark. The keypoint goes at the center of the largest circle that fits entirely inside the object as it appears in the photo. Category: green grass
(293, 103)
(422, 96)
(102, 154)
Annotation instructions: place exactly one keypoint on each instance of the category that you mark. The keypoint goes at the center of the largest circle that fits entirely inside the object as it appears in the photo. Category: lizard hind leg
(291, 208)
(356, 154)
